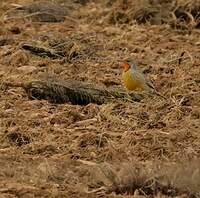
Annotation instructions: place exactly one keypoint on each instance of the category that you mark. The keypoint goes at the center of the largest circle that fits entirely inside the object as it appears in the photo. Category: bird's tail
(152, 89)
(158, 94)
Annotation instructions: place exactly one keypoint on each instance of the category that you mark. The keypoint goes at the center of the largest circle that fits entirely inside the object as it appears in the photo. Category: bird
(134, 79)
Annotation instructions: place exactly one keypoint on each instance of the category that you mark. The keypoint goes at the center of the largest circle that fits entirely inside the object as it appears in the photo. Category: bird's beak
(126, 66)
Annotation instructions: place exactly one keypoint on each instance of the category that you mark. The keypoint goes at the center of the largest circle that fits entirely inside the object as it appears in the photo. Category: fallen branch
(75, 92)
(41, 51)
(42, 11)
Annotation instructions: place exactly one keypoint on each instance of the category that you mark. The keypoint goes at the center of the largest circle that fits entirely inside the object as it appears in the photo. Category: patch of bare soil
(51, 146)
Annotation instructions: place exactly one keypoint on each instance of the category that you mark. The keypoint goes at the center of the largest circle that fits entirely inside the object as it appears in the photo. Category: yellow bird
(134, 79)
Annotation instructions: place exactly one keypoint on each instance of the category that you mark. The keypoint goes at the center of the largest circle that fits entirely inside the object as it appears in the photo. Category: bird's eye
(128, 61)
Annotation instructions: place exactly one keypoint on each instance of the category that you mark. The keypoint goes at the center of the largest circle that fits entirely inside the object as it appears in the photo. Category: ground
(65, 150)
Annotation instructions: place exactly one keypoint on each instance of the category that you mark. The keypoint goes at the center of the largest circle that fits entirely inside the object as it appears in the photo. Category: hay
(47, 142)
(182, 15)
(151, 179)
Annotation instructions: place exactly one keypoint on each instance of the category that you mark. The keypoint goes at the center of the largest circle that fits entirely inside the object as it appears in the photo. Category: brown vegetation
(122, 147)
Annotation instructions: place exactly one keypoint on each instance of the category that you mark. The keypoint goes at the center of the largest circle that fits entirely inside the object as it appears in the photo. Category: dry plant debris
(72, 48)
(182, 15)
(50, 149)
(146, 179)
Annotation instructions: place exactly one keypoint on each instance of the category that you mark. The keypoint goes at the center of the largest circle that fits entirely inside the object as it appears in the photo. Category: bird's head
(129, 64)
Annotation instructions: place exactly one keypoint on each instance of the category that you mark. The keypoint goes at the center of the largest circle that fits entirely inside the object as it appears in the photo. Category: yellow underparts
(134, 81)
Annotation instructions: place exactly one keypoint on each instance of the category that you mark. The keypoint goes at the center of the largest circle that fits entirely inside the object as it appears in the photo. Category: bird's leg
(129, 98)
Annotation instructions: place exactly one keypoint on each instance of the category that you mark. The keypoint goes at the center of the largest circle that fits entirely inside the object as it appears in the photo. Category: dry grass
(174, 179)
(46, 148)
(181, 15)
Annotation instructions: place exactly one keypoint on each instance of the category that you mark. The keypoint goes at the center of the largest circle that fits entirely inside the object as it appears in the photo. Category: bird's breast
(131, 80)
